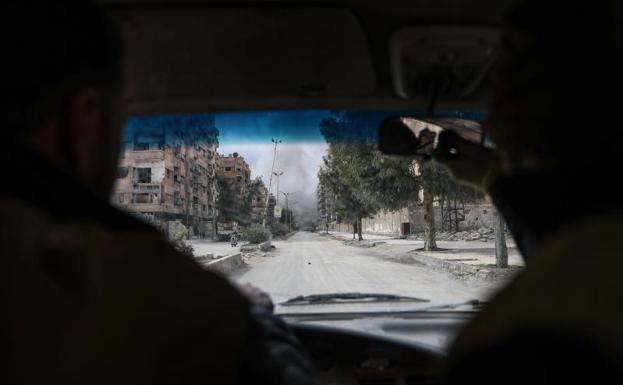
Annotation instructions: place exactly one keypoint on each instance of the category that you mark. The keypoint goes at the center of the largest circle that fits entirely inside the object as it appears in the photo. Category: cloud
(299, 163)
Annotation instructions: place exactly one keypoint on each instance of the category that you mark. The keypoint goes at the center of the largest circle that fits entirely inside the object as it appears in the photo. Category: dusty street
(309, 263)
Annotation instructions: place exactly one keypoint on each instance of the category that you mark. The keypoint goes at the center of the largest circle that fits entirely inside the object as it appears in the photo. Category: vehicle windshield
(303, 205)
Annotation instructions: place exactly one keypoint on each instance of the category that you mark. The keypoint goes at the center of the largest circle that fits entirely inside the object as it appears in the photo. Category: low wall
(226, 264)
(388, 223)
(385, 222)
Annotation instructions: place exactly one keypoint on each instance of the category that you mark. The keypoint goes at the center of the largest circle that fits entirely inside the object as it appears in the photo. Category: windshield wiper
(321, 299)
(476, 304)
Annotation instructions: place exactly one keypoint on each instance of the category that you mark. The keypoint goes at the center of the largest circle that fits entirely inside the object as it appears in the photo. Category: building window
(176, 174)
(168, 173)
(203, 208)
(177, 199)
(239, 179)
(122, 172)
(120, 198)
(227, 168)
(143, 175)
(142, 198)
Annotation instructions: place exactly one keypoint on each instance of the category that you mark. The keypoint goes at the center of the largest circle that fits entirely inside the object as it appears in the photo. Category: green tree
(232, 206)
(436, 182)
(362, 180)
(340, 176)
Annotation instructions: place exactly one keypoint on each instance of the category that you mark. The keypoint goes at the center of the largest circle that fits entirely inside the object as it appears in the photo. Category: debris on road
(207, 257)
(364, 243)
(483, 234)
(248, 248)
(266, 246)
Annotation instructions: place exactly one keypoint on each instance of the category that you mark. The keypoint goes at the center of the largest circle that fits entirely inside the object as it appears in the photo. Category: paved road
(308, 263)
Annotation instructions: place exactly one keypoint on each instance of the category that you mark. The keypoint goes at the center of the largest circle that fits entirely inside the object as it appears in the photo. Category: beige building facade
(167, 172)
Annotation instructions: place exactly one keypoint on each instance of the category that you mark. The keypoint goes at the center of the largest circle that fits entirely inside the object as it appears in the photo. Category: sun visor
(200, 54)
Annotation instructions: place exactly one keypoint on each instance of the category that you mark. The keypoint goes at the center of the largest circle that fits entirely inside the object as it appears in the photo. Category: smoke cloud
(299, 163)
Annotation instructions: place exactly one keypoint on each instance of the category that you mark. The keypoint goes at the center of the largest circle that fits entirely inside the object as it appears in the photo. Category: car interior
(248, 55)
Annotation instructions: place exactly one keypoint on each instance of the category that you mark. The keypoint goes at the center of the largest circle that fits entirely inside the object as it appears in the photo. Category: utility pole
(270, 182)
(277, 174)
(288, 221)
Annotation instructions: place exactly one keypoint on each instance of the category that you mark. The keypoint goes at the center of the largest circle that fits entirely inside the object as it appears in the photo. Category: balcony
(147, 187)
(146, 155)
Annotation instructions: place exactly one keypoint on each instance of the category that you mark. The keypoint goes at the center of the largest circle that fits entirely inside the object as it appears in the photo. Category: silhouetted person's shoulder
(93, 294)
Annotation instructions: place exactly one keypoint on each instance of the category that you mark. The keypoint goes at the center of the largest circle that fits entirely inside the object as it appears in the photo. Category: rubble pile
(365, 243)
(253, 254)
(483, 234)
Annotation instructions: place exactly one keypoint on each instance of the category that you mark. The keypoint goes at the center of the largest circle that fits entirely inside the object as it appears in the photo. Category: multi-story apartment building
(235, 171)
(168, 171)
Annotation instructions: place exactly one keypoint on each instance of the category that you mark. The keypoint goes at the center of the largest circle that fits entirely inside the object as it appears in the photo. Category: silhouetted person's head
(62, 86)
(556, 94)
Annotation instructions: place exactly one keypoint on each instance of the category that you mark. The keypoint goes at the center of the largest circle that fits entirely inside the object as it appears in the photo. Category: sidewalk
(471, 260)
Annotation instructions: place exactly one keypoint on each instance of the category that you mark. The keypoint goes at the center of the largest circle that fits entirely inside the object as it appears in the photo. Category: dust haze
(299, 163)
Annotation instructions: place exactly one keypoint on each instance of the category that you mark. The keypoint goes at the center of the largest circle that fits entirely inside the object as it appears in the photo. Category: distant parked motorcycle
(233, 240)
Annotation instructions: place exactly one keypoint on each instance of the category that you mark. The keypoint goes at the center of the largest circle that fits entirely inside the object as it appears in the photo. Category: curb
(458, 269)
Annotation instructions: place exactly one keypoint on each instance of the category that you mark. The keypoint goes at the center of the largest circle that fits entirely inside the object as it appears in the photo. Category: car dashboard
(383, 352)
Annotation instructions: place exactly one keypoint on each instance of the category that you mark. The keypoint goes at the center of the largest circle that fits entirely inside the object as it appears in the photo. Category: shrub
(255, 234)
(184, 248)
(279, 229)
(178, 235)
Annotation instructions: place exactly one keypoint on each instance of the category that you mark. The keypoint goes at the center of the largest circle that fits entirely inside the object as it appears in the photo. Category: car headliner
(199, 56)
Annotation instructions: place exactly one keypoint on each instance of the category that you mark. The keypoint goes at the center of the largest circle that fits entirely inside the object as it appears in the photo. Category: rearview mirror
(419, 137)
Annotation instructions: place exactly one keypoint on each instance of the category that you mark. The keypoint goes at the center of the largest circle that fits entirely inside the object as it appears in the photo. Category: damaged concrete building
(235, 171)
(167, 171)
(258, 202)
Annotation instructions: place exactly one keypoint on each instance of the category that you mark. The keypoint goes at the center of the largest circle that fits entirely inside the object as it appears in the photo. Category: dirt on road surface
(308, 263)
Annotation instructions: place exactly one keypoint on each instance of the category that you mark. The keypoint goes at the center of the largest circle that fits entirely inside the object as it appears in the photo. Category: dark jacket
(559, 321)
(92, 295)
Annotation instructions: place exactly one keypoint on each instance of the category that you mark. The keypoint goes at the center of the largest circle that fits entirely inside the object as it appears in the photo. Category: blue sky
(258, 127)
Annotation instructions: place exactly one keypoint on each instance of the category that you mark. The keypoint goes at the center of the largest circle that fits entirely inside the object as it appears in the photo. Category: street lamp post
(277, 174)
(288, 221)
(270, 182)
